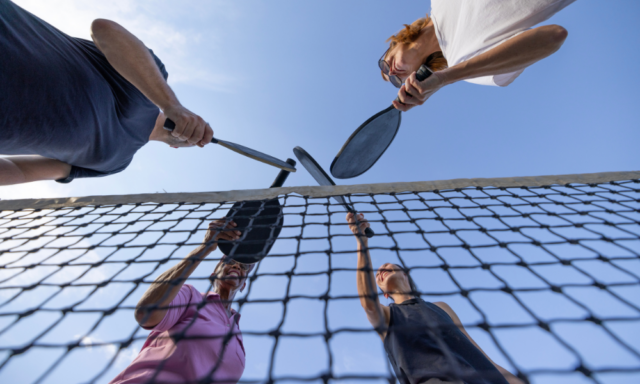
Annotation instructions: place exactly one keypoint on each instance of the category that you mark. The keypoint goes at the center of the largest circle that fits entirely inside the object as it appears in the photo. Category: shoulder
(445, 307)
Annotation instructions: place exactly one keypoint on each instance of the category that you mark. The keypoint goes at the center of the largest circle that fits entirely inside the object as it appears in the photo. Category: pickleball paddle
(310, 164)
(367, 144)
(169, 125)
(260, 223)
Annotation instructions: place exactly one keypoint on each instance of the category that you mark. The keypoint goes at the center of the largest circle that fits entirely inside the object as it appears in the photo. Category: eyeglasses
(245, 267)
(385, 67)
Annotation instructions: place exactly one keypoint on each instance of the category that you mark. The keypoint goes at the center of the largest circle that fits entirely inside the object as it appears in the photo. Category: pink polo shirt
(189, 360)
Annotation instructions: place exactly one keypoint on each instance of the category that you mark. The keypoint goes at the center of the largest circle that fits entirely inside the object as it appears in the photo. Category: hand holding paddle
(415, 91)
(359, 226)
(192, 128)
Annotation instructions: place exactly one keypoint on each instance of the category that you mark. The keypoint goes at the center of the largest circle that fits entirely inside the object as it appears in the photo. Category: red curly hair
(410, 33)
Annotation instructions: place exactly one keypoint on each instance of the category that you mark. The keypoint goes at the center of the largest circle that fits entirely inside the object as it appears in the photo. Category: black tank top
(422, 342)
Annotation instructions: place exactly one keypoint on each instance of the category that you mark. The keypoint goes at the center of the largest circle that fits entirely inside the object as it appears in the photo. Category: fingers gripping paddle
(260, 223)
(169, 125)
(367, 144)
(322, 178)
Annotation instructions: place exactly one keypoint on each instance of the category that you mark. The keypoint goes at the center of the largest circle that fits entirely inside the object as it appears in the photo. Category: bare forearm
(10, 173)
(129, 56)
(25, 169)
(515, 54)
(166, 287)
(365, 278)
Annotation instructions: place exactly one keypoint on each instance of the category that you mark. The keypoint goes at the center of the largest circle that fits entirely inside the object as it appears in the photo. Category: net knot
(326, 377)
(585, 371)
(556, 289)
(275, 333)
(507, 290)
(594, 320)
(484, 326)
(544, 326)
(599, 285)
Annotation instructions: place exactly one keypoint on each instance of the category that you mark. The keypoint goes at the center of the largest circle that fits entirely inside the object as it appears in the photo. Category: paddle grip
(367, 231)
(282, 176)
(169, 125)
(421, 74)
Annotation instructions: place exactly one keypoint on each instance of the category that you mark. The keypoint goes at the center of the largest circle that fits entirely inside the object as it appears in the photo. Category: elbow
(101, 28)
(143, 318)
(556, 35)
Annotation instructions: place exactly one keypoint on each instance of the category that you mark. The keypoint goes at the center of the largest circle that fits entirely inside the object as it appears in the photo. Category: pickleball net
(544, 272)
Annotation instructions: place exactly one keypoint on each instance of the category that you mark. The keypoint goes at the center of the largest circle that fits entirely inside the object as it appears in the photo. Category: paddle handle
(421, 74)
(282, 176)
(169, 125)
(369, 232)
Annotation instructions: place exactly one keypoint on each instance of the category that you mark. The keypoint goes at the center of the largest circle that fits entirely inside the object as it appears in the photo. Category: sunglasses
(385, 67)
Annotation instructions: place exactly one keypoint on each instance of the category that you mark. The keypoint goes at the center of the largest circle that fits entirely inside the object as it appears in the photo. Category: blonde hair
(408, 35)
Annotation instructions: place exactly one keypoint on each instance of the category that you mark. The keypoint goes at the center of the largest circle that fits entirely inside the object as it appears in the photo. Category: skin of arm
(129, 56)
(25, 169)
(377, 314)
(514, 54)
(511, 379)
(165, 288)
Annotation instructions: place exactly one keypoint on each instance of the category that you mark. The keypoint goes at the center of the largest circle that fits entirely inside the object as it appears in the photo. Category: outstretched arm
(25, 169)
(514, 54)
(166, 287)
(129, 56)
(511, 379)
(377, 313)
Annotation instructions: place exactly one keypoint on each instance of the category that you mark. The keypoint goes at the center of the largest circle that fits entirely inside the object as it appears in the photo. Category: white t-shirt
(467, 28)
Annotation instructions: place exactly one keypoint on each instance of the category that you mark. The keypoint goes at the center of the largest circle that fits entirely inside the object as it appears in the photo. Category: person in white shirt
(487, 42)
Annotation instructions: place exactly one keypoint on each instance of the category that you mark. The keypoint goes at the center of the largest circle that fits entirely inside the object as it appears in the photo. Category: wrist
(170, 103)
(451, 75)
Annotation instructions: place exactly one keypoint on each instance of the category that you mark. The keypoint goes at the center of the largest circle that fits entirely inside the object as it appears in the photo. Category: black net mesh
(545, 279)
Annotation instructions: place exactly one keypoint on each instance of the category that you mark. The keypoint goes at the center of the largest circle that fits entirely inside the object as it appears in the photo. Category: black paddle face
(310, 164)
(367, 144)
(260, 223)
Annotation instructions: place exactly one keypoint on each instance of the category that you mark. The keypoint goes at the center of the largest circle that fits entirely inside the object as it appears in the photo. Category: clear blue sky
(277, 74)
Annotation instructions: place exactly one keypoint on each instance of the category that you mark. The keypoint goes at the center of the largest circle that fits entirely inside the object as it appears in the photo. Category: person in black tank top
(425, 342)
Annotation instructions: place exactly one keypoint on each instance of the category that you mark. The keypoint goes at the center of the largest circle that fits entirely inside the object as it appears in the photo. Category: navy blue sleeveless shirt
(423, 342)
(60, 98)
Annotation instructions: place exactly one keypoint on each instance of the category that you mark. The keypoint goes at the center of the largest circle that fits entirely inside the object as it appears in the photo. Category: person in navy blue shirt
(73, 108)
(425, 342)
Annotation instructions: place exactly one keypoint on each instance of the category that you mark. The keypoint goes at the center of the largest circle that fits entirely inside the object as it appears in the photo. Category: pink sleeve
(177, 308)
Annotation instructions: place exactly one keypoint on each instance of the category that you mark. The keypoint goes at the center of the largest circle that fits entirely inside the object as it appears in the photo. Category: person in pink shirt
(195, 337)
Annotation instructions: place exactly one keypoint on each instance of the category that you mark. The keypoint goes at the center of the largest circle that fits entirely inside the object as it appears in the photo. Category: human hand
(190, 127)
(218, 230)
(358, 230)
(414, 92)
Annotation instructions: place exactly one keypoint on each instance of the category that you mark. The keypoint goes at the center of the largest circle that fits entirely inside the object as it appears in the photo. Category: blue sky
(274, 75)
